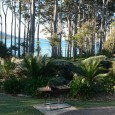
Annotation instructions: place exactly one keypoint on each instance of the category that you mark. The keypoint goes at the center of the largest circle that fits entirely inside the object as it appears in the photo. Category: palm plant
(35, 64)
(84, 84)
(90, 70)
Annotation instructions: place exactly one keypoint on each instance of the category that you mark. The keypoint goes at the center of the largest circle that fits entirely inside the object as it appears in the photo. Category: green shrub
(113, 67)
(1, 85)
(89, 84)
(80, 88)
(60, 67)
(31, 85)
(12, 86)
(6, 68)
(109, 83)
(4, 51)
(57, 81)
(107, 53)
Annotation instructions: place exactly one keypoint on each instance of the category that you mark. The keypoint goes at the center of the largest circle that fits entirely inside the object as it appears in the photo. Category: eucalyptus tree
(90, 11)
(19, 28)
(69, 7)
(75, 27)
(75, 14)
(109, 45)
(38, 26)
(49, 14)
(1, 27)
(11, 7)
(5, 3)
(32, 27)
(12, 24)
(15, 26)
(26, 17)
(106, 10)
(1, 22)
(60, 28)
(54, 48)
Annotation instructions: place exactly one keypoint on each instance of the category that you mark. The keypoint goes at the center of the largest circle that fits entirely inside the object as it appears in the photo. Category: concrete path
(92, 111)
(55, 108)
(65, 109)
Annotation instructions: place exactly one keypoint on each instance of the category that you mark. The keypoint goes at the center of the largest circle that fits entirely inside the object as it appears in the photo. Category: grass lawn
(87, 104)
(10, 105)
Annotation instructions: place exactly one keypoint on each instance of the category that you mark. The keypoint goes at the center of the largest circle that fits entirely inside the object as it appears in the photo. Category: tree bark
(75, 28)
(32, 30)
(19, 31)
(54, 47)
(5, 16)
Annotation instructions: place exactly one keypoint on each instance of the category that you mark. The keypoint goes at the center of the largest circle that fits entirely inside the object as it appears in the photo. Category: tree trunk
(15, 36)
(19, 29)
(12, 27)
(5, 16)
(54, 47)
(38, 45)
(75, 28)
(24, 39)
(1, 27)
(32, 30)
(27, 38)
(69, 36)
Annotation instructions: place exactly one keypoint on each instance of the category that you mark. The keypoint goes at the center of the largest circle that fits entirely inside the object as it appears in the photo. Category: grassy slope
(18, 105)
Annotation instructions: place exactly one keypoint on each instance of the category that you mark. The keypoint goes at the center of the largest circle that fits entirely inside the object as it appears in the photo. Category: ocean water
(44, 46)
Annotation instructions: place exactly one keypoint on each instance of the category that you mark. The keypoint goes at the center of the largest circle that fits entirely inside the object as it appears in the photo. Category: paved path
(92, 111)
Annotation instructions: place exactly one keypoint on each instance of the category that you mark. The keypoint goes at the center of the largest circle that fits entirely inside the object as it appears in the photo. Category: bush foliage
(12, 86)
(87, 78)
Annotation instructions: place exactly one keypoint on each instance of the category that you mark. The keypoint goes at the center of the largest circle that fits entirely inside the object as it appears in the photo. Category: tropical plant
(30, 86)
(108, 83)
(89, 79)
(90, 70)
(35, 64)
(99, 58)
(87, 83)
(80, 88)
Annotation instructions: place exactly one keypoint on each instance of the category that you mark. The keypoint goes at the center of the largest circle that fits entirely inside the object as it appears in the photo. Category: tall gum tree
(5, 16)
(32, 27)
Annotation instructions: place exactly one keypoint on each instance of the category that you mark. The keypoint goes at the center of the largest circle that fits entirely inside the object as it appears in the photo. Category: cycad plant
(90, 70)
(35, 64)
(83, 85)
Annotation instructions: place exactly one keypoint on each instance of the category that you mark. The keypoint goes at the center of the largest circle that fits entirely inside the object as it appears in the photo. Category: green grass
(10, 105)
(87, 104)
